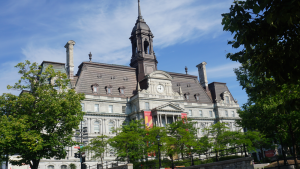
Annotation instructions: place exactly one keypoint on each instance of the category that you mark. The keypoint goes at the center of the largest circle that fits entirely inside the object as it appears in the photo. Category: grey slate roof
(216, 89)
(189, 84)
(116, 76)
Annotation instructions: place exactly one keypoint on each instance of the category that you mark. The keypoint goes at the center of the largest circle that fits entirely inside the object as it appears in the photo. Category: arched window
(50, 167)
(96, 126)
(146, 47)
(63, 167)
(110, 126)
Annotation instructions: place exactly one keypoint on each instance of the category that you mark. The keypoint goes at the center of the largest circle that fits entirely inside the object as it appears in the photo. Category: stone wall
(126, 166)
(240, 163)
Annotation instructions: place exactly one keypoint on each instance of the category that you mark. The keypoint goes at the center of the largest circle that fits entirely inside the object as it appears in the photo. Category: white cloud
(222, 71)
(103, 28)
(105, 32)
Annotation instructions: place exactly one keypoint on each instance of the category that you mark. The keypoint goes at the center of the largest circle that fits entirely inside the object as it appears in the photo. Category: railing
(195, 159)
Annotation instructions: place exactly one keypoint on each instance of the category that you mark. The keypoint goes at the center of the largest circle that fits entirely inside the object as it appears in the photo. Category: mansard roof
(216, 89)
(189, 84)
(115, 76)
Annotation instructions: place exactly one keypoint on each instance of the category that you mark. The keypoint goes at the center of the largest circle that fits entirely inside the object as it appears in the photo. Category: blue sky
(187, 32)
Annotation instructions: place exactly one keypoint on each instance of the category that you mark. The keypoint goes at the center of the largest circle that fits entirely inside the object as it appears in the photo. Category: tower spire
(140, 15)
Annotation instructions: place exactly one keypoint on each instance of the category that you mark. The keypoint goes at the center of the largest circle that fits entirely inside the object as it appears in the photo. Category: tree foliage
(129, 141)
(97, 146)
(267, 32)
(40, 122)
(182, 136)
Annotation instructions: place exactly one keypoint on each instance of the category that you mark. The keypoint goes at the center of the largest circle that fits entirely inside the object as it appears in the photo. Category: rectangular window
(122, 91)
(82, 106)
(95, 89)
(233, 115)
(190, 112)
(147, 106)
(227, 99)
(200, 113)
(124, 109)
(226, 113)
(110, 109)
(108, 90)
(210, 114)
(96, 108)
(197, 98)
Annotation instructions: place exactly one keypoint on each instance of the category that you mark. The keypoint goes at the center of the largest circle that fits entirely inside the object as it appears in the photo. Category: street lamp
(158, 139)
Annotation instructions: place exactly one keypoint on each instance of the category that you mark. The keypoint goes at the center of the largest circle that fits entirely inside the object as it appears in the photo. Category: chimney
(202, 75)
(70, 59)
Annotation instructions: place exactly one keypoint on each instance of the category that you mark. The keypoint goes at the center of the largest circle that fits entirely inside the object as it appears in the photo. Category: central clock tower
(143, 57)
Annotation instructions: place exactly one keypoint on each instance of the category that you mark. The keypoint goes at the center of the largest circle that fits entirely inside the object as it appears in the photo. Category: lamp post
(159, 161)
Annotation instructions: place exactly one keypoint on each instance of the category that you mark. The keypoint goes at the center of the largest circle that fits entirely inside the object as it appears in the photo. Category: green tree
(97, 147)
(217, 134)
(40, 122)
(267, 32)
(203, 145)
(129, 141)
(151, 141)
(182, 136)
(72, 166)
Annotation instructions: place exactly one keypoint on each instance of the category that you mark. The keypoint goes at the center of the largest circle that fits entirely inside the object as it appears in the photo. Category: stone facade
(116, 93)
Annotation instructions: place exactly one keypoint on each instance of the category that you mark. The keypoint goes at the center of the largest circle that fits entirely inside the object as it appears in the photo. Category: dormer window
(197, 97)
(122, 90)
(227, 99)
(187, 96)
(95, 88)
(109, 89)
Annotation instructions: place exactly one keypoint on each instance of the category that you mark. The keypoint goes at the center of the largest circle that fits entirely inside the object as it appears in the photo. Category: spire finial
(186, 70)
(90, 56)
(140, 15)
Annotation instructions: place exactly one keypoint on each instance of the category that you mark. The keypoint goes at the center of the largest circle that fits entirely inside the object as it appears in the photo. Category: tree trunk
(262, 154)
(181, 152)
(128, 161)
(34, 164)
(6, 165)
(294, 144)
(283, 152)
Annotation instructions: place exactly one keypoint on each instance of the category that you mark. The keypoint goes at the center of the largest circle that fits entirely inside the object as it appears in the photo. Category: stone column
(166, 119)
(160, 120)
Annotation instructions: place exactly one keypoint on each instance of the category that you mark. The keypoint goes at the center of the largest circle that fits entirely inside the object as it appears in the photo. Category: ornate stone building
(115, 93)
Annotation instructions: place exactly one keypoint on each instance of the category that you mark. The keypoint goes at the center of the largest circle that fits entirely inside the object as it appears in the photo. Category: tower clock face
(160, 88)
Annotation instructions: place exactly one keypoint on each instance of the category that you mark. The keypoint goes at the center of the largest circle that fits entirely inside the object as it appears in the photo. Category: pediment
(169, 107)
(160, 75)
